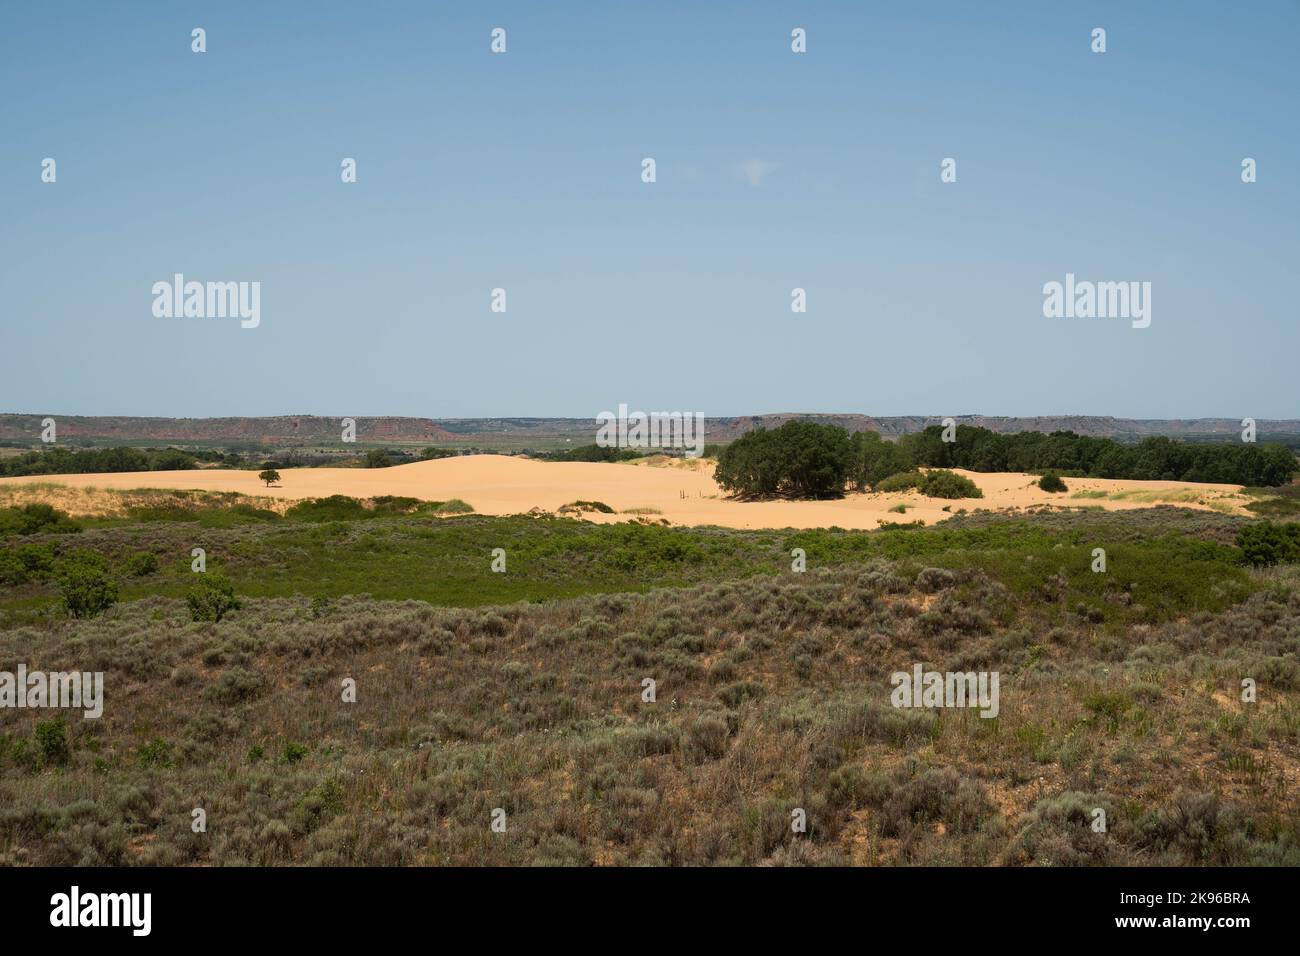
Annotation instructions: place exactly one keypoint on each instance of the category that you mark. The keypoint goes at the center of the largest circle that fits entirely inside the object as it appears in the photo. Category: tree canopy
(65, 461)
(801, 459)
(804, 459)
(979, 449)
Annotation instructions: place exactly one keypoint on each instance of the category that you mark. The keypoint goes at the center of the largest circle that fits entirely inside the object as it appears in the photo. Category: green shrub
(35, 519)
(333, 508)
(142, 564)
(1052, 482)
(86, 586)
(52, 742)
(454, 507)
(317, 806)
(12, 571)
(948, 484)
(1264, 543)
(155, 753)
(211, 597)
(903, 481)
(25, 563)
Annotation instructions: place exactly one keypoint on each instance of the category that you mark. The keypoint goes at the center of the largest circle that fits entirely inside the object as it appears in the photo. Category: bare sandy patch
(504, 485)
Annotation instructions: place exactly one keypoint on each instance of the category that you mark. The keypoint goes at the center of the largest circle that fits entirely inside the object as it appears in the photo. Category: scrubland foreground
(1120, 691)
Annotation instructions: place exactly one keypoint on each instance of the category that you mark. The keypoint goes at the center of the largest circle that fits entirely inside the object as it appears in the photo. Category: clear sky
(776, 170)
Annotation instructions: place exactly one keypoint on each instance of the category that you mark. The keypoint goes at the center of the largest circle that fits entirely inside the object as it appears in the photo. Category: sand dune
(502, 485)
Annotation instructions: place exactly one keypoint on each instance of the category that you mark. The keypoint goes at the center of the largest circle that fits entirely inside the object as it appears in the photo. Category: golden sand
(503, 485)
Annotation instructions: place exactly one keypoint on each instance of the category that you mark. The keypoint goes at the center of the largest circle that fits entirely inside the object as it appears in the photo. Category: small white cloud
(754, 171)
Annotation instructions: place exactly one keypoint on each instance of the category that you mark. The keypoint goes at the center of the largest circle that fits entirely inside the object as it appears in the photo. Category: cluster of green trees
(64, 461)
(979, 449)
(801, 459)
(875, 460)
(804, 459)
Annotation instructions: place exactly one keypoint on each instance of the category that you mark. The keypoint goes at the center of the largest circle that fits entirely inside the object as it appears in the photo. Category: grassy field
(522, 692)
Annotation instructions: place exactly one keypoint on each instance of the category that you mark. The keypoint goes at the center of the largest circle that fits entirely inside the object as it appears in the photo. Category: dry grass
(1216, 500)
(79, 501)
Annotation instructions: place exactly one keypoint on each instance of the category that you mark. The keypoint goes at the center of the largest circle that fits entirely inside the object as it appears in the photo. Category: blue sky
(775, 171)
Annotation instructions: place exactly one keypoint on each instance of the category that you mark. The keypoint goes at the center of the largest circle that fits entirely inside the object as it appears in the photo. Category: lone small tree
(87, 587)
(270, 476)
(211, 598)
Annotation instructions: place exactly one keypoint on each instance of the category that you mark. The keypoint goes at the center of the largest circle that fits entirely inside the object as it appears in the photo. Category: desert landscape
(498, 616)
(680, 492)
(696, 436)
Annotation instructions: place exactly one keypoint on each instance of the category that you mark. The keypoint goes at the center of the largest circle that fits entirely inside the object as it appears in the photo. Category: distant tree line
(1285, 439)
(388, 457)
(591, 452)
(804, 459)
(1163, 459)
(64, 461)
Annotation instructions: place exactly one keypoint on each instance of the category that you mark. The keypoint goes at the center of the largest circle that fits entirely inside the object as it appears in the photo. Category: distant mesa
(465, 432)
